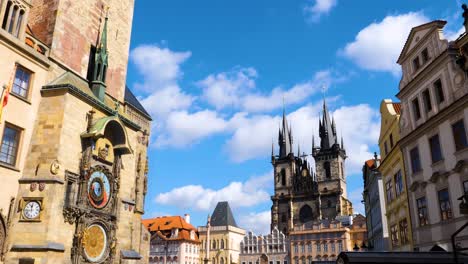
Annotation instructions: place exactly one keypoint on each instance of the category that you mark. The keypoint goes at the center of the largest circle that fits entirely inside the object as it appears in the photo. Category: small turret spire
(101, 64)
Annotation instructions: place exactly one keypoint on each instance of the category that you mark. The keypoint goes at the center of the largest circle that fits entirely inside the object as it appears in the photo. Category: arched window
(283, 177)
(326, 165)
(221, 261)
(13, 18)
(305, 214)
(222, 244)
(284, 218)
(214, 244)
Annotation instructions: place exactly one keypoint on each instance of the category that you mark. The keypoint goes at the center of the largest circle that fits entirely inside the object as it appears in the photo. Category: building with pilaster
(394, 178)
(434, 119)
(374, 204)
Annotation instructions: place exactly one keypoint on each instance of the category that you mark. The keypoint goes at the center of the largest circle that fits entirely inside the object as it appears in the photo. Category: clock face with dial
(98, 189)
(31, 210)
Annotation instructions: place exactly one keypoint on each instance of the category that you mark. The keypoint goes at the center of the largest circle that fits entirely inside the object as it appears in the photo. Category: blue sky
(213, 74)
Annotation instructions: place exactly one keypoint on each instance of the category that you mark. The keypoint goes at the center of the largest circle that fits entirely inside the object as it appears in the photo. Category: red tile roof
(370, 163)
(397, 107)
(163, 227)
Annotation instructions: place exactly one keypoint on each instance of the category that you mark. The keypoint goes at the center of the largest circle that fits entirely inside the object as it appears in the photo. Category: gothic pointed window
(305, 214)
(283, 177)
(326, 165)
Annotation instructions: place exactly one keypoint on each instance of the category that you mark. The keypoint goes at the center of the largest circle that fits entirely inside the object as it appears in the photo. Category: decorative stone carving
(55, 167)
(42, 186)
(103, 150)
(33, 186)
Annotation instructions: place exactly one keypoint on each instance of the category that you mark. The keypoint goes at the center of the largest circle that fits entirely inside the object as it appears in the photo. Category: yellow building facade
(394, 178)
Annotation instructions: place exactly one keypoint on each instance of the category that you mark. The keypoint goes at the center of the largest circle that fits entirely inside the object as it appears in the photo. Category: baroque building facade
(394, 177)
(221, 237)
(303, 196)
(173, 240)
(269, 249)
(74, 137)
(434, 117)
(374, 204)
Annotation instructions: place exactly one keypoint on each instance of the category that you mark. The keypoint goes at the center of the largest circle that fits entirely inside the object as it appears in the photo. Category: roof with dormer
(163, 228)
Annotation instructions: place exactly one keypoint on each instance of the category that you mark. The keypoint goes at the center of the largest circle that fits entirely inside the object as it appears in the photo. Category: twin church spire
(327, 133)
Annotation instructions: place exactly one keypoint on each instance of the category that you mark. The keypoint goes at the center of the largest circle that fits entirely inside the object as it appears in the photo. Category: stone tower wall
(71, 27)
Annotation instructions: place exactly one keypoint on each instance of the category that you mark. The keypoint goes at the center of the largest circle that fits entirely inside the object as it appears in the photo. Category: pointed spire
(313, 143)
(272, 148)
(298, 150)
(285, 141)
(342, 144)
(100, 64)
(327, 131)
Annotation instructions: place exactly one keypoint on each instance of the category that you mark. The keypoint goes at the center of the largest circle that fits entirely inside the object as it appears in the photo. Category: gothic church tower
(330, 163)
(296, 199)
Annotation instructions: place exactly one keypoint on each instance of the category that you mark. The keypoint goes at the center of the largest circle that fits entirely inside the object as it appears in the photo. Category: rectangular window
(394, 234)
(427, 100)
(439, 92)
(416, 110)
(318, 247)
(391, 141)
(10, 143)
(333, 247)
(389, 189)
(416, 63)
(309, 247)
(404, 231)
(459, 135)
(302, 248)
(340, 246)
(398, 183)
(425, 56)
(436, 151)
(465, 187)
(422, 211)
(22, 82)
(296, 249)
(445, 205)
(386, 148)
(325, 247)
(415, 161)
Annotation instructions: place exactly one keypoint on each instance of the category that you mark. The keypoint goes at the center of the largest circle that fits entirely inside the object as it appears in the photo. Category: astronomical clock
(91, 197)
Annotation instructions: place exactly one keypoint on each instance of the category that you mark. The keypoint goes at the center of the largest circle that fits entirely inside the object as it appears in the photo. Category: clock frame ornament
(31, 209)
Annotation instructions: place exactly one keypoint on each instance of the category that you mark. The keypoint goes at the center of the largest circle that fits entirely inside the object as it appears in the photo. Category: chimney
(187, 218)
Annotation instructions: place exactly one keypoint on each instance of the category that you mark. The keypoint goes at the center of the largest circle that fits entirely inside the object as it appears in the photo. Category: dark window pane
(404, 231)
(416, 110)
(436, 152)
(415, 161)
(422, 211)
(425, 55)
(439, 92)
(416, 63)
(427, 101)
(398, 183)
(391, 141)
(445, 205)
(9, 146)
(465, 187)
(389, 189)
(21, 82)
(459, 135)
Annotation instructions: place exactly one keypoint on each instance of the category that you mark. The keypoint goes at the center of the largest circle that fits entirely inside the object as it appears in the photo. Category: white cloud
(225, 89)
(258, 223)
(253, 134)
(453, 35)
(160, 66)
(314, 11)
(237, 89)
(183, 128)
(238, 194)
(355, 196)
(161, 102)
(378, 45)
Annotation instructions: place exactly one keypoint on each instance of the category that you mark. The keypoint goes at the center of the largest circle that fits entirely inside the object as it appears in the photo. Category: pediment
(417, 34)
